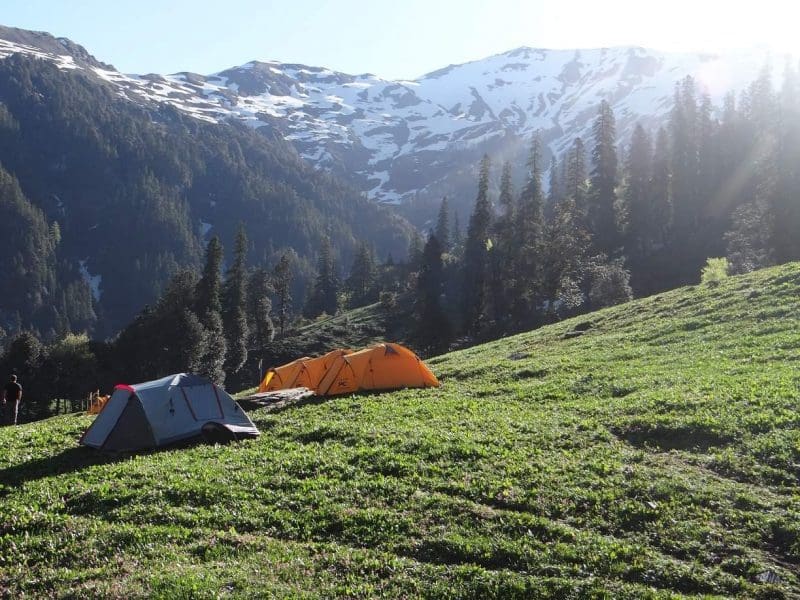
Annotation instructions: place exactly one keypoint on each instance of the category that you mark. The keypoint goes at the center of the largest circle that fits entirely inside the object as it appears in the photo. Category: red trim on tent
(124, 386)
(219, 404)
(189, 404)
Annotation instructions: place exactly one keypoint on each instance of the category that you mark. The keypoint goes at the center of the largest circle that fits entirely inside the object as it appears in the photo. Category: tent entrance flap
(132, 429)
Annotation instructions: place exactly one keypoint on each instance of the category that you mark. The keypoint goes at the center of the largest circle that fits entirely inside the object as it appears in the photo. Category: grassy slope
(355, 329)
(656, 454)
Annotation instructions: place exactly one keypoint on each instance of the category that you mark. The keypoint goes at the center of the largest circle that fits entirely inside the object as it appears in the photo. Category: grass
(355, 329)
(650, 450)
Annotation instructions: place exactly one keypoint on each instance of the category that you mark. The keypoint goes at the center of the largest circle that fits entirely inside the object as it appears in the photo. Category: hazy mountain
(104, 199)
(399, 139)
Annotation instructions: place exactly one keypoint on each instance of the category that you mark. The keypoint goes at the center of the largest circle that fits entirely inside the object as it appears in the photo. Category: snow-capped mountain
(401, 139)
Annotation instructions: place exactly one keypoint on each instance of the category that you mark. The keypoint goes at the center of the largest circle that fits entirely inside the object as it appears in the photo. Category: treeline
(716, 181)
(207, 322)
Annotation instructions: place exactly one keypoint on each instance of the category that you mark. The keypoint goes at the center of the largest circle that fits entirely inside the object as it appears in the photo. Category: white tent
(163, 411)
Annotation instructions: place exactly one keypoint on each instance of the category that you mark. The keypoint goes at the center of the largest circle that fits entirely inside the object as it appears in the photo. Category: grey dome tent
(164, 411)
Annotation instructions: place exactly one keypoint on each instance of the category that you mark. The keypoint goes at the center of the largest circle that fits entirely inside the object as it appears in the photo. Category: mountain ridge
(400, 140)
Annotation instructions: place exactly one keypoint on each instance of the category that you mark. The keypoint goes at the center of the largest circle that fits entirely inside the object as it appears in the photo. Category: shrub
(714, 272)
(610, 284)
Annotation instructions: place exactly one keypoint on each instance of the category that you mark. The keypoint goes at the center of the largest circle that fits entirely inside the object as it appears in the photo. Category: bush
(388, 300)
(714, 272)
(610, 284)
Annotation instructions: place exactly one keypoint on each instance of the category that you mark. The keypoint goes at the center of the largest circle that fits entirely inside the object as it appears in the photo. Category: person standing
(12, 395)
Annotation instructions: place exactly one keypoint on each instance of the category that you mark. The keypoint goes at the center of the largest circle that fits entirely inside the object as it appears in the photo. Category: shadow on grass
(68, 461)
(75, 459)
(663, 437)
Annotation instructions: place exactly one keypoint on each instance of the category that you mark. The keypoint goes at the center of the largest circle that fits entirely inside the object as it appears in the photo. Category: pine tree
(179, 336)
(209, 309)
(362, 281)
(554, 194)
(506, 199)
(529, 242)
(476, 256)
(262, 330)
(603, 200)
(638, 198)
(575, 183)
(442, 230)
(209, 287)
(455, 246)
(235, 308)
(415, 251)
(324, 296)
(432, 331)
(282, 284)
(685, 170)
(661, 193)
(566, 258)
(504, 249)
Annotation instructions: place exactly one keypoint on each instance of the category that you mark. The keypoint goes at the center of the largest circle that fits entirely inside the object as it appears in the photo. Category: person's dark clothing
(13, 391)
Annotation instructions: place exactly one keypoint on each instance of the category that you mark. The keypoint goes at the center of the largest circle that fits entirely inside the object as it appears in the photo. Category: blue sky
(395, 39)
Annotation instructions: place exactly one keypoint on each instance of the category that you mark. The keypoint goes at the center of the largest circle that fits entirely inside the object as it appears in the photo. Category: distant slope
(649, 450)
(134, 192)
(356, 328)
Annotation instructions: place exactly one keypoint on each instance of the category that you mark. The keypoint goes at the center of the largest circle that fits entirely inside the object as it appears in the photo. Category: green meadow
(649, 450)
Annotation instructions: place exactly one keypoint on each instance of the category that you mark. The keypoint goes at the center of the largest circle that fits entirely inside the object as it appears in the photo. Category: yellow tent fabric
(97, 404)
(281, 378)
(314, 369)
(382, 367)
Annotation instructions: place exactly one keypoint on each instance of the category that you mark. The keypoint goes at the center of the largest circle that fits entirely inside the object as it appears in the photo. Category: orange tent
(314, 369)
(382, 367)
(281, 378)
(303, 372)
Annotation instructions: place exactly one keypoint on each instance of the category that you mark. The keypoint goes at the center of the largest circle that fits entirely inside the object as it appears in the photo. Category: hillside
(111, 198)
(355, 328)
(647, 450)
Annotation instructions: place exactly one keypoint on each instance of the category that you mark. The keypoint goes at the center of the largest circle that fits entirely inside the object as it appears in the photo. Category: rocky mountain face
(401, 140)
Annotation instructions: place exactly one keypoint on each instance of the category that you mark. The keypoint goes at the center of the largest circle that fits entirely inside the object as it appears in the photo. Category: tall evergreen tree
(363, 279)
(442, 230)
(501, 258)
(603, 200)
(235, 306)
(554, 194)
(209, 310)
(529, 242)
(415, 246)
(324, 296)
(638, 198)
(685, 170)
(476, 256)
(432, 330)
(457, 238)
(282, 284)
(261, 327)
(661, 192)
(506, 199)
(566, 258)
(575, 182)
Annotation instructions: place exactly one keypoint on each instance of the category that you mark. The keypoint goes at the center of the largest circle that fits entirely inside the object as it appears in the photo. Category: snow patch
(94, 281)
